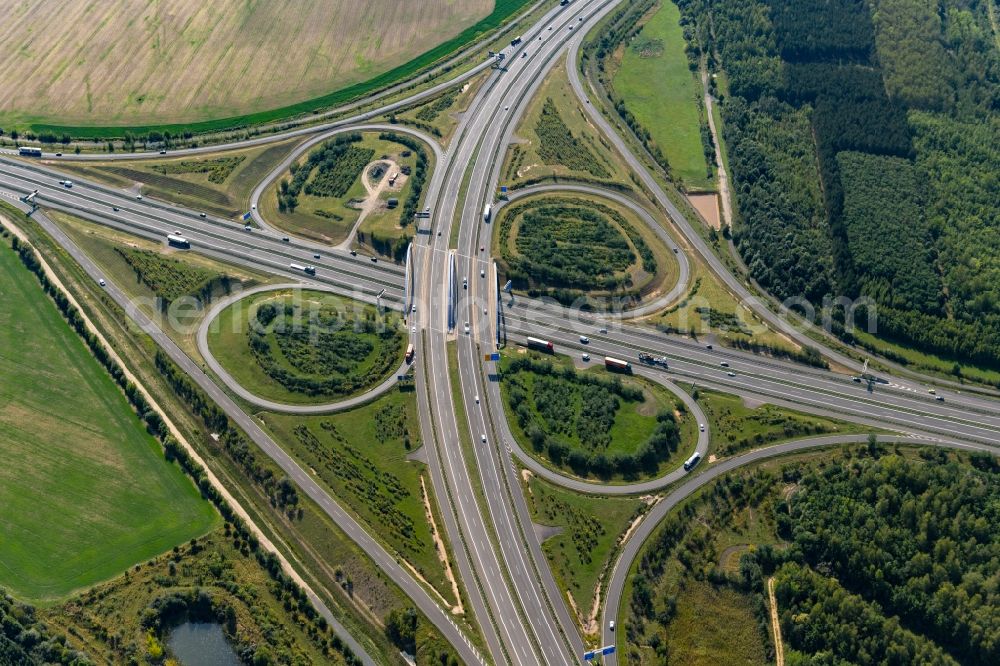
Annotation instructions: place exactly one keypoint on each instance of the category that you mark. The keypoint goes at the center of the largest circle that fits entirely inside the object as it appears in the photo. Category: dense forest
(877, 557)
(864, 144)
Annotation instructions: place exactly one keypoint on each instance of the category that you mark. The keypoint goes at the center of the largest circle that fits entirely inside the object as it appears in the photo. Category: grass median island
(86, 490)
(581, 246)
(591, 424)
(375, 179)
(362, 456)
(583, 531)
(218, 183)
(305, 346)
(558, 142)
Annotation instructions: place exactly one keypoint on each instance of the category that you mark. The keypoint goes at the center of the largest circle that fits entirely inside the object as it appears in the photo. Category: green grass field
(86, 492)
(361, 359)
(663, 93)
(361, 456)
(589, 528)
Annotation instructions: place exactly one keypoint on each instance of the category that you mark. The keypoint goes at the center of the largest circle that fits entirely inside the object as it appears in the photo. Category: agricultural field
(556, 140)
(654, 79)
(340, 191)
(736, 426)
(78, 460)
(592, 424)
(217, 183)
(581, 534)
(580, 246)
(364, 457)
(132, 64)
(306, 347)
(216, 578)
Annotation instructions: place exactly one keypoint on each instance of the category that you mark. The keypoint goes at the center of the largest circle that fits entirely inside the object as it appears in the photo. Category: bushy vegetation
(329, 355)
(915, 539)
(218, 169)
(845, 184)
(558, 146)
(430, 111)
(336, 164)
(25, 640)
(170, 278)
(566, 248)
(877, 557)
(570, 418)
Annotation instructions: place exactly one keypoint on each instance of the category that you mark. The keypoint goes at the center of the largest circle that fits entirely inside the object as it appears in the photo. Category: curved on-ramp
(271, 405)
(556, 477)
(320, 138)
(684, 267)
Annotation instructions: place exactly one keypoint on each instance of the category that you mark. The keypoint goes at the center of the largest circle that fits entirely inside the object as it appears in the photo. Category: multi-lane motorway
(518, 606)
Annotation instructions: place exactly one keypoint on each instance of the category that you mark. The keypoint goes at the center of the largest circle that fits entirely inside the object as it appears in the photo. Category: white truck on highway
(178, 241)
(308, 270)
(487, 212)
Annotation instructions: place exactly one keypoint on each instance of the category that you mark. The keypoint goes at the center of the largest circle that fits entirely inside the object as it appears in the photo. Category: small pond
(201, 644)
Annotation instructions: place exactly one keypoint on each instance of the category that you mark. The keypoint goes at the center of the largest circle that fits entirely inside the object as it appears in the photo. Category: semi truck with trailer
(409, 353)
(541, 345)
(308, 270)
(617, 364)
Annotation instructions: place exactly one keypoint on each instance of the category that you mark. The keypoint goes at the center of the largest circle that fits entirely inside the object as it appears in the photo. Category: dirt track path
(779, 648)
(727, 210)
(374, 192)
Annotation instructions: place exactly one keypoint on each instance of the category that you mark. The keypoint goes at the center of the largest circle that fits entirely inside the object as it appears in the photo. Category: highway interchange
(520, 611)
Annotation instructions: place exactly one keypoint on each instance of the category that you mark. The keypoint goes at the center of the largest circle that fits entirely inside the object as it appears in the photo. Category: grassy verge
(79, 462)
(659, 88)
(502, 11)
(105, 247)
(559, 143)
(217, 183)
(736, 426)
(316, 347)
(581, 533)
(363, 457)
(440, 115)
